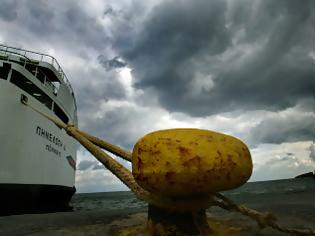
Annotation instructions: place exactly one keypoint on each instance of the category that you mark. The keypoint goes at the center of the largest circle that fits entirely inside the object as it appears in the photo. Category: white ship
(37, 159)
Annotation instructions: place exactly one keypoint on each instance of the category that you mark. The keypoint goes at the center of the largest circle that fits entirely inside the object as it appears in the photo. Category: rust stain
(193, 143)
(141, 178)
(195, 161)
(230, 160)
(157, 152)
(184, 151)
(141, 150)
(209, 138)
(140, 164)
(171, 143)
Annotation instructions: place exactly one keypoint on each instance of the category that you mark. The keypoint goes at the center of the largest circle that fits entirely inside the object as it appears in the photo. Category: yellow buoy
(179, 162)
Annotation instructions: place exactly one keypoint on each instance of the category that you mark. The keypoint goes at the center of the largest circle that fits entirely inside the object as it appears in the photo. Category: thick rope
(190, 204)
(263, 219)
(107, 146)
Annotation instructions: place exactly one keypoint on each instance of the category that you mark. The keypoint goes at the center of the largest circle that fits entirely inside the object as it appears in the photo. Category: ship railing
(41, 76)
(36, 57)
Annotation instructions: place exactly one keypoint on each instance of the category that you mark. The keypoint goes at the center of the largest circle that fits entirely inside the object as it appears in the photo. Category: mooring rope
(263, 219)
(94, 145)
(107, 146)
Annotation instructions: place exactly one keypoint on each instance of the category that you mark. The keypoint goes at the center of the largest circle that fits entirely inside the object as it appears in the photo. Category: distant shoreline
(306, 175)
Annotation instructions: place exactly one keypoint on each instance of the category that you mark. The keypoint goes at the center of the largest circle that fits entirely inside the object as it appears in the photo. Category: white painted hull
(32, 149)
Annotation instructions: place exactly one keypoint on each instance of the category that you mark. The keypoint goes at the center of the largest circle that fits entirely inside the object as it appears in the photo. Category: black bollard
(170, 222)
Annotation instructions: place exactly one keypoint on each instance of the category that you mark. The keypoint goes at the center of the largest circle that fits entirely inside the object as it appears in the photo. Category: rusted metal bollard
(186, 164)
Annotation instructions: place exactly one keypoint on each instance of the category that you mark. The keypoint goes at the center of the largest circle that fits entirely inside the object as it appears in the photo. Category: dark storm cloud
(64, 23)
(109, 64)
(285, 128)
(83, 25)
(182, 39)
(39, 18)
(116, 126)
(84, 165)
(96, 92)
(8, 10)
(121, 124)
(98, 167)
(94, 88)
(91, 95)
(109, 11)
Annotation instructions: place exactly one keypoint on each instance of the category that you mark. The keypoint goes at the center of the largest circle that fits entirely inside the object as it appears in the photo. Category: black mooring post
(177, 222)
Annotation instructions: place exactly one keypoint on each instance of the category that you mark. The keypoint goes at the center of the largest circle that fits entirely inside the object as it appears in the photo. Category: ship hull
(37, 159)
(34, 198)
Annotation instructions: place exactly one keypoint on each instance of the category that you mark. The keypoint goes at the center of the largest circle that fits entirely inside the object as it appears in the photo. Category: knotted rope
(94, 145)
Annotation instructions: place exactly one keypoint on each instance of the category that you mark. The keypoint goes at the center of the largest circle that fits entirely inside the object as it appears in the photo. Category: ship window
(23, 83)
(31, 68)
(4, 70)
(59, 112)
(41, 76)
(36, 71)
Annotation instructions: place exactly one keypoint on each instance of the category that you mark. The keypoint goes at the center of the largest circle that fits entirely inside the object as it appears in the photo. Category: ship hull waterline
(34, 198)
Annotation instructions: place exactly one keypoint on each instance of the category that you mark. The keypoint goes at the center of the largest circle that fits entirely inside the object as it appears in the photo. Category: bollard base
(165, 222)
(168, 222)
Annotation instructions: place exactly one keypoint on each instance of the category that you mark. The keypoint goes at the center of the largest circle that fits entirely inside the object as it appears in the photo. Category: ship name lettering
(53, 150)
(49, 136)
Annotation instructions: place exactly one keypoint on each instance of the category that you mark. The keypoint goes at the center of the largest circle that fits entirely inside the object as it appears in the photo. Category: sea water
(247, 193)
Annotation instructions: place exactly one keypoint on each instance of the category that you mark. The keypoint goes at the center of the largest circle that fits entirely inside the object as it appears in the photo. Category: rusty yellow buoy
(183, 162)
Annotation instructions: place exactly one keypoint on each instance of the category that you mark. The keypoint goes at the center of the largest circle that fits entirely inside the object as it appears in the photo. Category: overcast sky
(241, 67)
